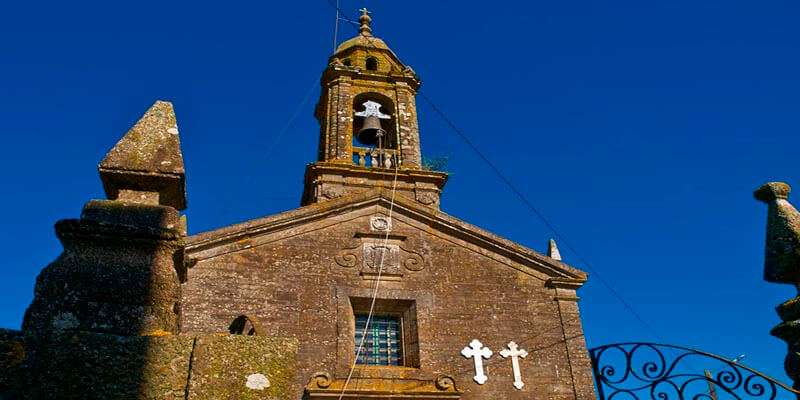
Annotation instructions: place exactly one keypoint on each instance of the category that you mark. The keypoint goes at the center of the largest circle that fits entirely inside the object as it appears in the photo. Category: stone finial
(782, 265)
(772, 191)
(552, 250)
(146, 165)
(782, 255)
(364, 20)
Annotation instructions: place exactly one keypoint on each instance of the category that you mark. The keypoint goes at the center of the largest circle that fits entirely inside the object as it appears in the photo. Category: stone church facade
(279, 307)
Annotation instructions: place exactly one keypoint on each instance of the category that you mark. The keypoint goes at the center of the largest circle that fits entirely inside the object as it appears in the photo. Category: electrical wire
(377, 280)
(248, 181)
(521, 196)
(544, 220)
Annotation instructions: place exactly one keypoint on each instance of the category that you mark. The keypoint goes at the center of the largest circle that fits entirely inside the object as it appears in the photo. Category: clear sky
(639, 128)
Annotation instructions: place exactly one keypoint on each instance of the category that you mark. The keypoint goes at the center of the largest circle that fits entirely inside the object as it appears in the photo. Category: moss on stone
(222, 364)
(12, 353)
(82, 365)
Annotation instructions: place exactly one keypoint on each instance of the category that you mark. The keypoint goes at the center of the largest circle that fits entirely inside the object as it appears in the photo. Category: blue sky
(640, 129)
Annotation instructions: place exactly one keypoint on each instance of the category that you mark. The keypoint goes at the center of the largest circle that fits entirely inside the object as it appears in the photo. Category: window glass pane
(382, 342)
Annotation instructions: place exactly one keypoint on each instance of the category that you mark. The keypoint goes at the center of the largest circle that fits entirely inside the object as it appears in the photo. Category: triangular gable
(231, 238)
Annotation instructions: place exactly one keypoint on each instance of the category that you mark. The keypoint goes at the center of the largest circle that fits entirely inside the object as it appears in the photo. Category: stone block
(84, 365)
(242, 367)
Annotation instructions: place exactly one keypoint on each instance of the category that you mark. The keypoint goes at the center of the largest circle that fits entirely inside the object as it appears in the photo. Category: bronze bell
(369, 133)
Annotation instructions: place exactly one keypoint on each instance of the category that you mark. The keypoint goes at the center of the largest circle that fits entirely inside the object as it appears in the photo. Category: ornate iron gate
(649, 371)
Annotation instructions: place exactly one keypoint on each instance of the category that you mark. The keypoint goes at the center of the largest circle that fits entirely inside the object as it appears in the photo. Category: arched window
(372, 64)
(373, 111)
(388, 124)
(346, 62)
(245, 325)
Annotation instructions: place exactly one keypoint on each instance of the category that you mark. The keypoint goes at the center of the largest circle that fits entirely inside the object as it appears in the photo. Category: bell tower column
(409, 128)
(338, 130)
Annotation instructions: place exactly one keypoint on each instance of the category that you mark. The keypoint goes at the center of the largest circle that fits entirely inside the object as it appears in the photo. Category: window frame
(415, 357)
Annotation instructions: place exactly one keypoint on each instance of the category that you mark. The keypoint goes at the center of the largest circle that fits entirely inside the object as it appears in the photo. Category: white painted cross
(478, 353)
(515, 353)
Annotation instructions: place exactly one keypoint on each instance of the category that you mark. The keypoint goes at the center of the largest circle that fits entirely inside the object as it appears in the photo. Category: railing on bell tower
(374, 157)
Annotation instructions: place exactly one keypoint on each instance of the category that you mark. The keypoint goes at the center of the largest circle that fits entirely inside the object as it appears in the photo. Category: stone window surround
(422, 302)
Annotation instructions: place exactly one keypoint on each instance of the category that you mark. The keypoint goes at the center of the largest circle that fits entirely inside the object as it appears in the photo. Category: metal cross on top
(515, 353)
(478, 353)
(364, 20)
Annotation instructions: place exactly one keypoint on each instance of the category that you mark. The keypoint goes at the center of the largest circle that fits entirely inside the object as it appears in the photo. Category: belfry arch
(387, 106)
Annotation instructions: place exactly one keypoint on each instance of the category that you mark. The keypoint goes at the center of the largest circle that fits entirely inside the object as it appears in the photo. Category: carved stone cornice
(334, 72)
(566, 287)
(322, 386)
(330, 180)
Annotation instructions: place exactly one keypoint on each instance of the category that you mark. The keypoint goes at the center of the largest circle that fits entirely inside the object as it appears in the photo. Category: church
(367, 291)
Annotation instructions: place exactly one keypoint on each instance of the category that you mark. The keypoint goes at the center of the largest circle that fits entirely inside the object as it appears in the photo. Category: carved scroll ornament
(446, 382)
(321, 380)
(369, 255)
(349, 257)
(414, 262)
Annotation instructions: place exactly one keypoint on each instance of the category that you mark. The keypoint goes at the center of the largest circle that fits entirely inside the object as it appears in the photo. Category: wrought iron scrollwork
(649, 371)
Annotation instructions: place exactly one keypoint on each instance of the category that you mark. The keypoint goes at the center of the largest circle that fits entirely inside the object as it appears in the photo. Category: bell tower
(368, 125)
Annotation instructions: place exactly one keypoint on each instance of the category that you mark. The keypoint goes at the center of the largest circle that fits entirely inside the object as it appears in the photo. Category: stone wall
(304, 280)
(85, 365)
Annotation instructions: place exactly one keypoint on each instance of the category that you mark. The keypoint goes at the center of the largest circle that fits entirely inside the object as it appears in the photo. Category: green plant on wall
(437, 163)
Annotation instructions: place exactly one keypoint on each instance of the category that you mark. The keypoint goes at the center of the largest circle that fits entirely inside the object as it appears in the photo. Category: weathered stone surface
(323, 386)
(224, 364)
(782, 265)
(327, 180)
(147, 160)
(283, 269)
(120, 272)
(12, 354)
(83, 365)
(552, 250)
(782, 256)
(131, 215)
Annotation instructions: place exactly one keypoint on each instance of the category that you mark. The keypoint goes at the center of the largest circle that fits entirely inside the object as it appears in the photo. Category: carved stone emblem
(331, 192)
(377, 253)
(427, 198)
(398, 252)
(380, 223)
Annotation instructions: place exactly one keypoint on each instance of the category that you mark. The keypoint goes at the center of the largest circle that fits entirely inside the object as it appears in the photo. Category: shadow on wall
(104, 322)
(101, 322)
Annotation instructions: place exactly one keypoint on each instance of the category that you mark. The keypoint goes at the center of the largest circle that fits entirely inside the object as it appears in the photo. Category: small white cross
(477, 352)
(515, 353)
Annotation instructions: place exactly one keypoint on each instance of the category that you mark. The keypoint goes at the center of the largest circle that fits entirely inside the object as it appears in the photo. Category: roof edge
(438, 219)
